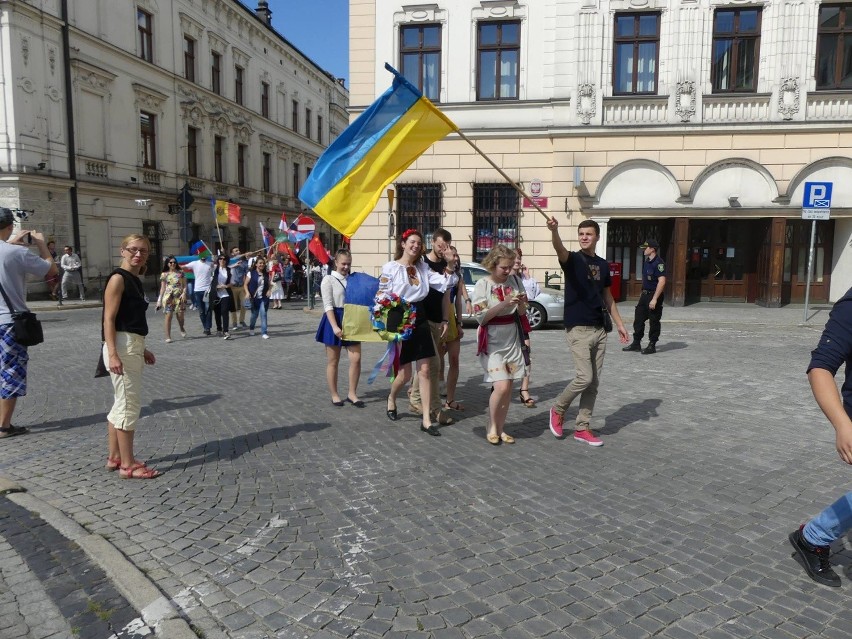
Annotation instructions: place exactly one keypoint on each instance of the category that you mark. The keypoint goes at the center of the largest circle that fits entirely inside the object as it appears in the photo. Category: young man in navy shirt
(587, 285)
(812, 541)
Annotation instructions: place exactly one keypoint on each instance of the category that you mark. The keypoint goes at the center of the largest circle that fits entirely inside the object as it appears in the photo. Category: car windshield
(473, 275)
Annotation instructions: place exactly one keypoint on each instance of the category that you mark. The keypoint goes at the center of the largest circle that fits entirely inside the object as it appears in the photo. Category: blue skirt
(325, 334)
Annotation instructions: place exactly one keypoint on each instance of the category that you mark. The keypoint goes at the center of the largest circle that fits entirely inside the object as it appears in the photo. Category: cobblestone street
(281, 515)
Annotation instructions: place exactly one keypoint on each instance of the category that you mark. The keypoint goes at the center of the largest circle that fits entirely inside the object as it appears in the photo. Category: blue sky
(319, 28)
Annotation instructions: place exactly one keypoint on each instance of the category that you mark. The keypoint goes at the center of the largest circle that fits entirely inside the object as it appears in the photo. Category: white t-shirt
(223, 280)
(203, 274)
(16, 262)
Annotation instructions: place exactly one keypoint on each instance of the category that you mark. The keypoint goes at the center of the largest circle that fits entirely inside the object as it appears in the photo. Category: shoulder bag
(26, 327)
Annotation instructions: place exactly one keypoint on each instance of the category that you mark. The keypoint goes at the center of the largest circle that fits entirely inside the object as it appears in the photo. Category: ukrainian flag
(358, 303)
(351, 174)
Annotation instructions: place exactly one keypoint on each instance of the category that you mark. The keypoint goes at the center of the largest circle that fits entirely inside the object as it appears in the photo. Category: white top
(531, 287)
(395, 278)
(203, 274)
(70, 262)
(333, 292)
(223, 281)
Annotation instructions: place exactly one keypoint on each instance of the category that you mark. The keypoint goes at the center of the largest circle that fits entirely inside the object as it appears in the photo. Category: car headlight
(558, 299)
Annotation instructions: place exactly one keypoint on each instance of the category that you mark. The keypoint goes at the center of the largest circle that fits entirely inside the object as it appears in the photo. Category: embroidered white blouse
(413, 285)
(333, 293)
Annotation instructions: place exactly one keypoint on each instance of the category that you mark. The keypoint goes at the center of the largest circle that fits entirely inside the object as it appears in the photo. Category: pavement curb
(139, 591)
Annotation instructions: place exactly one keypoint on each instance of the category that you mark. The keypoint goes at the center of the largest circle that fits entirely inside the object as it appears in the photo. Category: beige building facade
(694, 123)
(111, 107)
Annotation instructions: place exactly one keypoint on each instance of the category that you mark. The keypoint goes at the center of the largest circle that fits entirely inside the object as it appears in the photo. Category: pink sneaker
(588, 437)
(555, 423)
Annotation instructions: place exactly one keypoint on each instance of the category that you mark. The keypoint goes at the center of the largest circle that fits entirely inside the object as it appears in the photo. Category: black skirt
(420, 345)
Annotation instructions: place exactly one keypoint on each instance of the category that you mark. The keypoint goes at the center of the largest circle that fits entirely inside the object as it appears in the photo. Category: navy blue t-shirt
(652, 271)
(835, 346)
(585, 279)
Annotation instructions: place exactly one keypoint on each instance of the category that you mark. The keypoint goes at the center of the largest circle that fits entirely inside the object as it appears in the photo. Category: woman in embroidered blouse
(172, 297)
(497, 299)
(276, 274)
(330, 331)
(410, 277)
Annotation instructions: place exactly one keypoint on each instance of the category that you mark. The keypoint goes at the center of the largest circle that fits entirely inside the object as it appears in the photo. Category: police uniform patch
(661, 267)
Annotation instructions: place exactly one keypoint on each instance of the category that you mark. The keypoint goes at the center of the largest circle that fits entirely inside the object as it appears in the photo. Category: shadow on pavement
(156, 406)
(630, 413)
(234, 447)
(671, 346)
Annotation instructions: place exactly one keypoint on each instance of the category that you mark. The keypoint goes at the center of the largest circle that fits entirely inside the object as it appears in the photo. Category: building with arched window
(695, 122)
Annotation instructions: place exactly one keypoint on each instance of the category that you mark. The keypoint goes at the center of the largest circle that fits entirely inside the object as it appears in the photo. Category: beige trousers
(239, 298)
(588, 347)
(434, 371)
(127, 388)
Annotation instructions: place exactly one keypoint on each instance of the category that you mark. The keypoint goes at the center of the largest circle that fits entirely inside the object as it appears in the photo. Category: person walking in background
(172, 298)
(587, 294)
(410, 278)
(532, 291)
(499, 301)
(276, 273)
(238, 274)
(257, 285)
(436, 309)
(450, 344)
(16, 262)
(202, 272)
(53, 281)
(72, 273)
(222, 299)
(812, 541)
(124, 331)
(330, 331)
(289, 273)
(650, 305)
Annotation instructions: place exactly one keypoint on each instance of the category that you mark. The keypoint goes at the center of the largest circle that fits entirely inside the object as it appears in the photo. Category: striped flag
(226, 212)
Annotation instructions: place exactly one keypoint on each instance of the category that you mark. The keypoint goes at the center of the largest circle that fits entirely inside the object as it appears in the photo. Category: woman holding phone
(498, 302)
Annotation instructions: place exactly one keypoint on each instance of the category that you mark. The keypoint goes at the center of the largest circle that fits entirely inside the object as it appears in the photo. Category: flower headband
(408, 233)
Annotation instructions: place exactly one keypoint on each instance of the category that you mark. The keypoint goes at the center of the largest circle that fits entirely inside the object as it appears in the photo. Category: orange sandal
(138, 471)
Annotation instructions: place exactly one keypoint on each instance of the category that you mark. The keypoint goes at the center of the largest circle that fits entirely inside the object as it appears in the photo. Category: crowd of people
(434, 294)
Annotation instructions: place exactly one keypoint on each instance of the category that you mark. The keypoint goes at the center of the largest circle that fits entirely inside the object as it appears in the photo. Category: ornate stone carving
(26, 85)
(25, 50)
(685, 100)
(93, 77)
(149, 99)
(243, 133)
(219, 123)
(190, 27)
(586, 102)
(51, 60)
(788, 98)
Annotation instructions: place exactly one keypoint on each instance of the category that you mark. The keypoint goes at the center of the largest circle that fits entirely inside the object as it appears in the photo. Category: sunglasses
(172, 262)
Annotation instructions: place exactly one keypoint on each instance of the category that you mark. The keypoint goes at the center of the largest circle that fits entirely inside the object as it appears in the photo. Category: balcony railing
(151, 177)
(635, 109)
(222, 190)
(829, 106)
(736, 108)
(97, 169)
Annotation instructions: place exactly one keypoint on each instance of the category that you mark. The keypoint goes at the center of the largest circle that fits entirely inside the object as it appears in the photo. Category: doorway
(722, 260)
(797, 241)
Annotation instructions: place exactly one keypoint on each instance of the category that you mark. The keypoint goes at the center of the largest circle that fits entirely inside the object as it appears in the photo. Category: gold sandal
(493, 438)
(507, 438)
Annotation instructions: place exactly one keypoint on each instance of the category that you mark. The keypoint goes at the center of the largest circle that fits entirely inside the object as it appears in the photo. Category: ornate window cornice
(91, 77)
(149, 99)
(190, 27)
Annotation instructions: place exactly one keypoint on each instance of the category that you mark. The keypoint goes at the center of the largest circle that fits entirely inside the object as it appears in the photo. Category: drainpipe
(69, 126)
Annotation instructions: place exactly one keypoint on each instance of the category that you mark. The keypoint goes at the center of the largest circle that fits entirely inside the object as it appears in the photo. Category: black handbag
(26, 326)
(101, 369)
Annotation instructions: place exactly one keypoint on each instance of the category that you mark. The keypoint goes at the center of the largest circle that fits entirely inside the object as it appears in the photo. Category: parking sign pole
(810, 270)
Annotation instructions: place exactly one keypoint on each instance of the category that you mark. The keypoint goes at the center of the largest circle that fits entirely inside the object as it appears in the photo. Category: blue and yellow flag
(358, 303)
(351, 174)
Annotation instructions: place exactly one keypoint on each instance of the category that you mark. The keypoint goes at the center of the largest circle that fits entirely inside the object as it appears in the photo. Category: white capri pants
(130, 348)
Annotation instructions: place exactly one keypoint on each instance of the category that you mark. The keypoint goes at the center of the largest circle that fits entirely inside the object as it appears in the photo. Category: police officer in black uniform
(650, 306)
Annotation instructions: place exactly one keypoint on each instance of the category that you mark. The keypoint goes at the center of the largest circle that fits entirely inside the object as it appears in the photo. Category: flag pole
(503, 173)
(218, 230)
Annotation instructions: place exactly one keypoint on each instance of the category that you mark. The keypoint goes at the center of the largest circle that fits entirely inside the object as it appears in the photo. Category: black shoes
(814, 559)
(357, 404)
(337, 403)
(392, 414)
(634, 346)
(431, 430)
(650, 349)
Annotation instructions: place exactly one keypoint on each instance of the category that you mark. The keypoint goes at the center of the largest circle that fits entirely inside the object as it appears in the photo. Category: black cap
(7, 218)
(654, 244)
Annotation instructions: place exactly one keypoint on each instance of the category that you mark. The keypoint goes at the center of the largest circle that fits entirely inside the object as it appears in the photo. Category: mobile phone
(29, 238)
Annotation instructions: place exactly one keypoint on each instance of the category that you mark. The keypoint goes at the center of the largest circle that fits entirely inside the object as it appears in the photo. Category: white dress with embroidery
(504, 359)
(413, 285)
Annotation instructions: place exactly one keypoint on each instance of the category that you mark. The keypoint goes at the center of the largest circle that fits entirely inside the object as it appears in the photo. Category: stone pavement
(280, 515)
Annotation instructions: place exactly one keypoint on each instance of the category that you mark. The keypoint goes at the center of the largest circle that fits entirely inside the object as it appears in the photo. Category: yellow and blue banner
(381, 143)
(358, 303)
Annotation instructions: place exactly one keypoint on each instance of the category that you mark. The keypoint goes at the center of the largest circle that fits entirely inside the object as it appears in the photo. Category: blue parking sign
(817, 195)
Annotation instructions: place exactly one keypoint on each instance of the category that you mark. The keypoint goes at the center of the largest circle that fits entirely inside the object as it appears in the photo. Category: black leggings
(220, 312)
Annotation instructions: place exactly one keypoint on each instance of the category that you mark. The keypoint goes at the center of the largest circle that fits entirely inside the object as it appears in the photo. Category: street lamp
(391, 231)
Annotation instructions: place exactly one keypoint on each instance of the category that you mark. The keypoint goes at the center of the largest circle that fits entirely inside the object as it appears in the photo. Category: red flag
(316, 247)
(294, 257)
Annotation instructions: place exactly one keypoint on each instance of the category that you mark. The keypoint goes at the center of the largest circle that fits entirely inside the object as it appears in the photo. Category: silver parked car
(547, 307)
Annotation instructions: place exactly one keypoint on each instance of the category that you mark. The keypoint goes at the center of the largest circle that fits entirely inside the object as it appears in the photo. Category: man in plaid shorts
(16, 262)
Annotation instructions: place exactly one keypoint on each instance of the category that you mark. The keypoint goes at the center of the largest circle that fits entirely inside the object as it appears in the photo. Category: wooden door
(797, 238)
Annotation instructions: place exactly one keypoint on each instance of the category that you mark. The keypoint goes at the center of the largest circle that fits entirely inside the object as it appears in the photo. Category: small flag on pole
(199, 249)
(266, 235)
(226, 212)
(282, 225)
(319, 251)
(350, 176)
